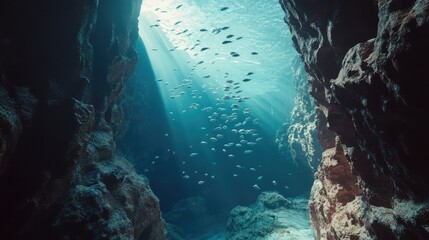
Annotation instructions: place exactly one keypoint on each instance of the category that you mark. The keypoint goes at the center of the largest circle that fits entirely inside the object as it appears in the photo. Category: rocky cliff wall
(368, 75)
(63, 65)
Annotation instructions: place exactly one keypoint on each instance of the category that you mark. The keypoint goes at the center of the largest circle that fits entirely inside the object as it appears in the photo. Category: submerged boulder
(271, 217)
(273, 200)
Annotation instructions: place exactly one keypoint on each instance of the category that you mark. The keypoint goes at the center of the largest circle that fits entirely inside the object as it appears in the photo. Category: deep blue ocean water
(204, 112)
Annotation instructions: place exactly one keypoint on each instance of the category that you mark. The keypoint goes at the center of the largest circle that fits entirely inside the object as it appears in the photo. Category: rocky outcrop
(63, 65)
(368, 77)
(298, 138)
(271, 217)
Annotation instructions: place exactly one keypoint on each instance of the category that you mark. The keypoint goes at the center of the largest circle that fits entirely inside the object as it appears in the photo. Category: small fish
(206, 174)
(193, 154)
(238, 166)
(224, 9)
(186, 177)
(219, 136)
(238, 145)
(247, 111)
(204, 48)
(213, 139)
(260, 178)
(250, 73)
(179, 6)
(259, 139)
(251, 143)
(234, 54)
(213, 149)
(203, 142)
(246, 80)
(286, 187)
(230, 36)
(203, 30)
(252, 169)
(231, 155)
(212, 177)
(235, 175)
(200, 182)
(156, 157)
(256, 187)
(248, 151)
(239, 38)
(226, 42)
(254, 53)
(274, 182)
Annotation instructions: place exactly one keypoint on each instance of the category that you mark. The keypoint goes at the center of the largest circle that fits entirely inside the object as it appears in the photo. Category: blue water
(198, 129)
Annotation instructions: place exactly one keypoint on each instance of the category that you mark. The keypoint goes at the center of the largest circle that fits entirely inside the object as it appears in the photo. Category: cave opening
(219, 114)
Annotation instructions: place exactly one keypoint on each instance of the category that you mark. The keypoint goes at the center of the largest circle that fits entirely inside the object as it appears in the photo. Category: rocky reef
(271, 217)
(63, 65)
(368, 76)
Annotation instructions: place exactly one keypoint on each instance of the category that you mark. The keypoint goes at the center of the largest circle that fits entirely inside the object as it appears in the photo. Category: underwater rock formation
(298, 138)
(271, 217)
(368, 77)
(63, 65)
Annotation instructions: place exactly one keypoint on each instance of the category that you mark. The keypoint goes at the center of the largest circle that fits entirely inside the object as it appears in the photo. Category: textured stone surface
(368, 77)
(298, 137)
(63, 65)
(271, 217)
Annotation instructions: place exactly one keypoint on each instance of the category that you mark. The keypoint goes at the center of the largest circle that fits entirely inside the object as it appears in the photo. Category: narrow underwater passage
(215, 84)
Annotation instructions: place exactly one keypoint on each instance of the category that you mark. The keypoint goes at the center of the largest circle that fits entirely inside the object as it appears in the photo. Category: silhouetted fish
(234, 54)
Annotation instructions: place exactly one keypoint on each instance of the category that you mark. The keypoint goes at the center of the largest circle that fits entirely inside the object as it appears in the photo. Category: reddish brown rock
(368, 77)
